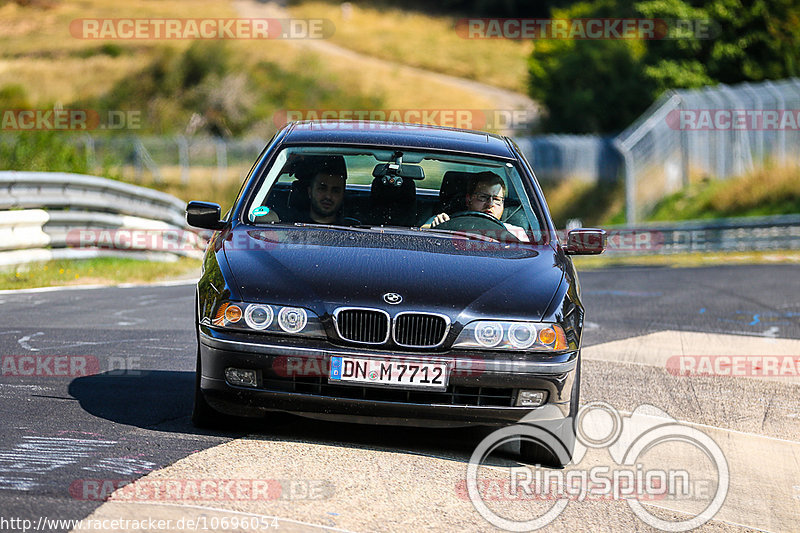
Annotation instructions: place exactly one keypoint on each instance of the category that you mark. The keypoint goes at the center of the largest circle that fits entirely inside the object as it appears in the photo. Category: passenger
(486, 193)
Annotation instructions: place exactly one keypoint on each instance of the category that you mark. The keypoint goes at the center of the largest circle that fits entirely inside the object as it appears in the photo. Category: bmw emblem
(392, 298)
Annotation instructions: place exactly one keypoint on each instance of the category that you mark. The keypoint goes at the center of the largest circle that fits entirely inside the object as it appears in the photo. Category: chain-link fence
(587, 158)
(715, 132)
(176, 159)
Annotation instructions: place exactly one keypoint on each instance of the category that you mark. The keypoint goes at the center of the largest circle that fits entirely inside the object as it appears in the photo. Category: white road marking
(37, 455)
(24, 341)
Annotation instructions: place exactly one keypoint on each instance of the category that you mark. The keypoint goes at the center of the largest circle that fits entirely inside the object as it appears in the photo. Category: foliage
(595, 86)
(469, 8)
(592, 203)
(43, 151)
(209, 88)
(768, 191)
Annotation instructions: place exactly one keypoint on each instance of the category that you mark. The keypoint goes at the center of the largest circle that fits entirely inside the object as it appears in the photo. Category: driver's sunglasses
(485, 198)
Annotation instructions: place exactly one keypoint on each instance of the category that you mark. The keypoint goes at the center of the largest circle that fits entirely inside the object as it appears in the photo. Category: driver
(326, 195)
(486, 193)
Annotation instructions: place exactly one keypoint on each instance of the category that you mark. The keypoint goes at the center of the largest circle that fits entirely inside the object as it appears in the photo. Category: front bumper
(292, 377)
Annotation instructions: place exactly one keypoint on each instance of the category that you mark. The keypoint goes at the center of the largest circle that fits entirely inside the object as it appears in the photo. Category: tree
(601, 86)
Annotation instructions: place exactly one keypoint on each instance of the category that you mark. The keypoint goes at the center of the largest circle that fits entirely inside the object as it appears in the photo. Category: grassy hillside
(768, 191)
(38, 53)
(422, 40)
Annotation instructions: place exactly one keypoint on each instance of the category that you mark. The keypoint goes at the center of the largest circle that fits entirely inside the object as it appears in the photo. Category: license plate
(382, 373)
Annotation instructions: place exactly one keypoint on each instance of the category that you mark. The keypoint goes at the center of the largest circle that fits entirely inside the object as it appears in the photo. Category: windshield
(400, 189)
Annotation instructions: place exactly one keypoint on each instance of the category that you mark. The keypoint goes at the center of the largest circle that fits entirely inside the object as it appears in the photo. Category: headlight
(521, 335)
(261, 317)
(258, 316)
(292, 319)
(488, 334)
(495, 335)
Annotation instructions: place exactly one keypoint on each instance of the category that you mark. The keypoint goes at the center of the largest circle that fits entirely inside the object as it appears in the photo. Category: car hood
(323, 269)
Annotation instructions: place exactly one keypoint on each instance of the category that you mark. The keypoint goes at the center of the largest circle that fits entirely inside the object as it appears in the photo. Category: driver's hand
(441, 218)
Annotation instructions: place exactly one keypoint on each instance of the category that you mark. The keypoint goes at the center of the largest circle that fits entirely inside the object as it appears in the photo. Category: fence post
(183, 158)
(91, 161)
(630, 183)
(759, 131)
(222, 159)
(684, 142)
(720, 139)
(781, 134)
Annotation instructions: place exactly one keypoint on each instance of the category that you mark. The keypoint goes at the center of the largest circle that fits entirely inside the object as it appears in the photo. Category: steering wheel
(480, 223)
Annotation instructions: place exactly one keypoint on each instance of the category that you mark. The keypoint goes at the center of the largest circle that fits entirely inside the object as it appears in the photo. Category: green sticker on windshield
(260, 211)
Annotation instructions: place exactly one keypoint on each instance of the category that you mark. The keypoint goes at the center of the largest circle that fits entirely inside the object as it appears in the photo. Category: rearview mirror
(204, 215)
(585, 241)
(413, 172)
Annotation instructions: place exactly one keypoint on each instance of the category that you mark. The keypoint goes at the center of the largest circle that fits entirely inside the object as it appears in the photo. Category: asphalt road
(65, 439)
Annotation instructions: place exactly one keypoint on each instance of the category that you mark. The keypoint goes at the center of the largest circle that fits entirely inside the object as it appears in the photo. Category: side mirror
(585, 241)
(204, 215)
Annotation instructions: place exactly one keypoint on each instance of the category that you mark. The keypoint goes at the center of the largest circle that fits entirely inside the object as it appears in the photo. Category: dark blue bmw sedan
(388, 273)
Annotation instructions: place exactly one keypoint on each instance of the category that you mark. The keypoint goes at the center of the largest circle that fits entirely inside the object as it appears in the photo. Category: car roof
(398, 135)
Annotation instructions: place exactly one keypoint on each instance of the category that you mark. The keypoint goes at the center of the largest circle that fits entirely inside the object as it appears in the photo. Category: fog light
(531, 398)
(243, 378)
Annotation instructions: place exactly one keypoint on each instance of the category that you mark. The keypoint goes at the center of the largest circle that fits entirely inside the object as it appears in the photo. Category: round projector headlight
(522, 335)
(258, 316)
(489, 334)
(292, 319)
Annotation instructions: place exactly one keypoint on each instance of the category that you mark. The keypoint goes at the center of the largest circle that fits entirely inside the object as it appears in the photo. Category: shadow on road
(148, 399)
(162, 401)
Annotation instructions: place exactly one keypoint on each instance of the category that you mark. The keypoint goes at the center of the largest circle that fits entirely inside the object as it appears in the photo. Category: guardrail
(744, 234)
(54, 215)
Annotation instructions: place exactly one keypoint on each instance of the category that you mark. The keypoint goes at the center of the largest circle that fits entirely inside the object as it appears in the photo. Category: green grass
(104, 270)
(768, 191)
(594, 204)
(422, 40)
